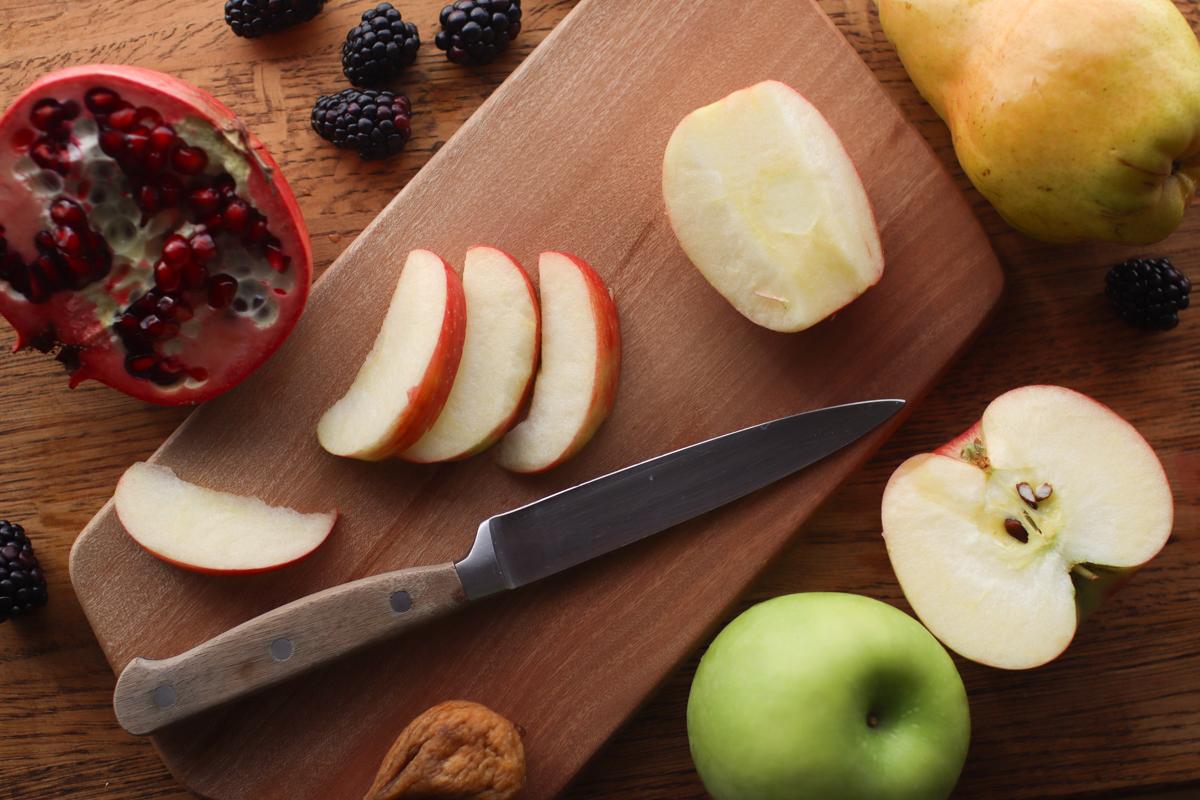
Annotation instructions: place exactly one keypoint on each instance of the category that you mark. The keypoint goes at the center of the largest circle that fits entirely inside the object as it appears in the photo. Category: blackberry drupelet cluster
(22, 586)
(476, 31)
(372, 122)
(1148, 292)
(379, 47)
(254, 18)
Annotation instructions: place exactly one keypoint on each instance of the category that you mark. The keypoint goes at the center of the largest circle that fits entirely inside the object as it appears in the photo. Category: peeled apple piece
(1007, 536)
(767, 204)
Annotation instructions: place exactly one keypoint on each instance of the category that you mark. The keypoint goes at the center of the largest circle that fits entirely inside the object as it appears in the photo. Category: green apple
(827, 696)
(1076, 119)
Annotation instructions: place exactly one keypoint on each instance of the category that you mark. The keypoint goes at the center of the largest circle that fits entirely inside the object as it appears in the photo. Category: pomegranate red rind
(145, 234)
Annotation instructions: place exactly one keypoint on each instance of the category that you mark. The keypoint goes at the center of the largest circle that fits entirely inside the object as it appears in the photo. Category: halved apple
(1006, 537)
(204, 530)
(405, 380)
(581, 363)
(498, 360)
(767, 204)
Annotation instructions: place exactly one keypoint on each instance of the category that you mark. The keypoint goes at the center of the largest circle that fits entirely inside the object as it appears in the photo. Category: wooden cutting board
(565, 155)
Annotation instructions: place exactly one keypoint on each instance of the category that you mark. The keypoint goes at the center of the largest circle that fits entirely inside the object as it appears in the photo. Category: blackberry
(379, 47)
(375, 123)
(254, 18)
(476, 31)
(22, 587)
(1148, 292)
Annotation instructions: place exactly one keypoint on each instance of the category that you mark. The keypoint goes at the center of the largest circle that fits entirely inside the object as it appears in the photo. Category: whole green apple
(827, 696)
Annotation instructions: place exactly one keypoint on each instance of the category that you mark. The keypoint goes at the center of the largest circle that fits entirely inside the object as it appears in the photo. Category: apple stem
(1084, 572)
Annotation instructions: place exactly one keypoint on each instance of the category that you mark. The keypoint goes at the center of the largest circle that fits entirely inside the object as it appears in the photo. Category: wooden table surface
(1117, 716)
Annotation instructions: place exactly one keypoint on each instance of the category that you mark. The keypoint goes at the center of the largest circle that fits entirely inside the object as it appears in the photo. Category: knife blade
(513, 549)
(510, 550)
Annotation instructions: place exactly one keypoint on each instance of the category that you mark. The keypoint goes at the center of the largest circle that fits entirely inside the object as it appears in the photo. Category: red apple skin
(1090, 594)
(426, 400)
(608, 361)
(207, 571)
(519, 409)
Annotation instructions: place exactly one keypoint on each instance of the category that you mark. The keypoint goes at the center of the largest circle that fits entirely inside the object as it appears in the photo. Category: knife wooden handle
(281, 644)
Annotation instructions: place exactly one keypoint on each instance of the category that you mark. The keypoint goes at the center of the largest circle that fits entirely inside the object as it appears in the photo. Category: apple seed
(1044, 491)
(1026, 493)
(1016, 530)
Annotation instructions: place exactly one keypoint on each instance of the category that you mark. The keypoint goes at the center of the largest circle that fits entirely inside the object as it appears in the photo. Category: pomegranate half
(146, 235)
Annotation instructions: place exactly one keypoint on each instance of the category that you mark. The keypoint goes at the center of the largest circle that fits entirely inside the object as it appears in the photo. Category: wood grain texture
(1121, 710)
(571, 658)
(284, 642)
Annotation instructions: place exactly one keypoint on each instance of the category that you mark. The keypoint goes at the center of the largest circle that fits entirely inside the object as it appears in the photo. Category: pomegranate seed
(23, 140)
(68, 212)
(70, 109)
(162, 138)
(177, 251)
(144, 304)
(149, 117)
(83, 271)
(123, 118)
(153, 162)
(68, 241)
(170, 188)
(225, 184)
(140, 363)
(46, 114)
(167, 277)
(189, 160)
(214, 222)
(204, 201)
(198, 374)
(236, 215)
(183, 312)
(203, 247)
(152, 326)
(258, 230)
(112, 143)
(101, 100)
(44, 241)
(137, 141)
(278, 261)
(126, 324)
(194, 275)
(221, 291)
(45, 154)
(148, 199)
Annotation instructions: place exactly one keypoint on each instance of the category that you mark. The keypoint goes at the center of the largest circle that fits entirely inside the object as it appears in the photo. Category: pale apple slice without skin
(499, 357)
(576, 385)
(1097, 504)
(204, 530)
(767, 204)
(405, 380)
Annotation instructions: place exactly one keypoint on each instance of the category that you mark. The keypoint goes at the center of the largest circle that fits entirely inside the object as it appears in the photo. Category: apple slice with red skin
(576, 384)
(500, 354)
(405, 380)
(1008, 535)
(204, 530)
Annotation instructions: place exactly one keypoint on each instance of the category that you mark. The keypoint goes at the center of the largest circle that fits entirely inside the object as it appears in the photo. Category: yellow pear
(1076, 119)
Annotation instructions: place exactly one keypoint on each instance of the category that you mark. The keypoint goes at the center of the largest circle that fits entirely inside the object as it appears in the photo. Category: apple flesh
(830, 696)
(767, 204)
(204, 530)
(499, 356)
(576, 385)
(1006, 536)
(406, 378)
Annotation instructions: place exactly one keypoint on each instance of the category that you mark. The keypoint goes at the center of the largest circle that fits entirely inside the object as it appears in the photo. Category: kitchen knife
(510, 551)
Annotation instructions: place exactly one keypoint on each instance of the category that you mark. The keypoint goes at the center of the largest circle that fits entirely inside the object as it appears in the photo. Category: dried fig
(457, 749)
